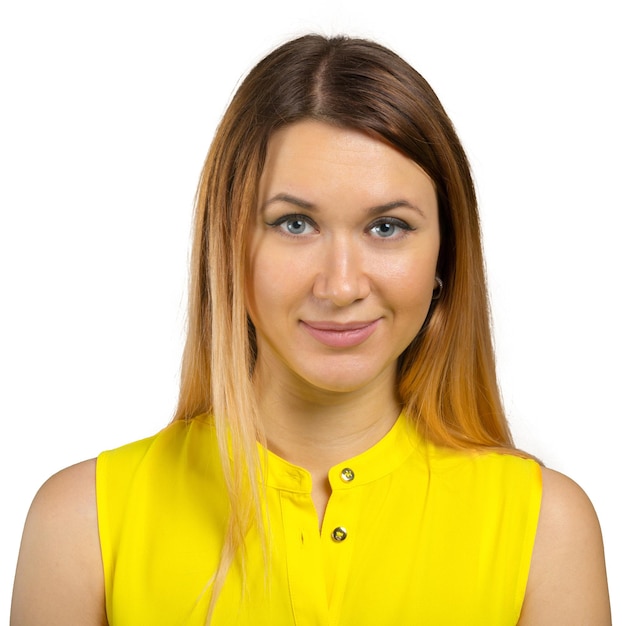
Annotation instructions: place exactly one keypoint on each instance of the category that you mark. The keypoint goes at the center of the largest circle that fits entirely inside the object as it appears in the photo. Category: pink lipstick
(340, 335)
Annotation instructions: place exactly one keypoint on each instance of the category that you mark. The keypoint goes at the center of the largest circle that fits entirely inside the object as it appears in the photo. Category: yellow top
(413, 534)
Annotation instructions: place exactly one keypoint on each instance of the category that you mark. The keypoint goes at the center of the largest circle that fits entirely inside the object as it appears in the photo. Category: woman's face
(342, 258)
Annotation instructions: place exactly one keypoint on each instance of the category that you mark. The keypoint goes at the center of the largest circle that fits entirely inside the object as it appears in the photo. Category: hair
(446, 378)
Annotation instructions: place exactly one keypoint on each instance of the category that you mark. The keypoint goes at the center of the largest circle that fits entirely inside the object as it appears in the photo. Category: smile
(340, 335)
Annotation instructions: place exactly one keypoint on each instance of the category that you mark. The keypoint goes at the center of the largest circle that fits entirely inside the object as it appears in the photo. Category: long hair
(446, 378)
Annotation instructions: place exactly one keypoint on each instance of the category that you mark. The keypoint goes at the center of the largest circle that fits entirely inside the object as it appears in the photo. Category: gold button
(339, 534)
(347, 475)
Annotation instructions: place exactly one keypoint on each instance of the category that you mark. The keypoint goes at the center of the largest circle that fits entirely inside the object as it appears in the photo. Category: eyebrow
(372, 211)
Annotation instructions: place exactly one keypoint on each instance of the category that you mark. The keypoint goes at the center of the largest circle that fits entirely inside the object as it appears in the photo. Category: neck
(316, 429)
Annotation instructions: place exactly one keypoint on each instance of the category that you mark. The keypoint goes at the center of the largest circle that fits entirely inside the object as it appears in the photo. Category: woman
(340, 453)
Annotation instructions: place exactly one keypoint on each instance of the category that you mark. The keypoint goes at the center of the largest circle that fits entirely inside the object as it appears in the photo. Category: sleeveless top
(413, 535)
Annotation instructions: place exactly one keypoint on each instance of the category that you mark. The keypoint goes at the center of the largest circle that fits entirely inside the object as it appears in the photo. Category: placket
(340, 536)
(305, 569)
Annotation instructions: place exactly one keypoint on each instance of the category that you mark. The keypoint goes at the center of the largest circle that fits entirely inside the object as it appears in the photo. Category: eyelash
(282, 221)
(392, 221)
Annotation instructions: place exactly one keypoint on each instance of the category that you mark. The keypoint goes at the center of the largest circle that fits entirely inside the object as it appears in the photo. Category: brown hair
(446, 377)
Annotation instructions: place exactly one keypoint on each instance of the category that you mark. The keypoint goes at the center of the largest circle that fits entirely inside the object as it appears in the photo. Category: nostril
(341, 289)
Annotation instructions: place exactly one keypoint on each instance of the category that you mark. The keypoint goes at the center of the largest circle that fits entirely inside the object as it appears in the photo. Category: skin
(353, 249)
(59, 578)
(322, 403)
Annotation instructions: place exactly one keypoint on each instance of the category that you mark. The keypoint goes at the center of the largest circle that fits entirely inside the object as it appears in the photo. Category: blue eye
(293, 224)
(384, 230)
(388, 228)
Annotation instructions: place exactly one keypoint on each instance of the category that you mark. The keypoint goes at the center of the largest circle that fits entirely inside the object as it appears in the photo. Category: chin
(344, 379)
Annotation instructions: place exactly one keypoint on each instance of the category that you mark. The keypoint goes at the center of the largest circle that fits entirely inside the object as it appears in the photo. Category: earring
(436, 294)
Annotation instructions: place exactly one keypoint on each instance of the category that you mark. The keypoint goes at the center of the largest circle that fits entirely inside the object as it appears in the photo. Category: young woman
(340, 454)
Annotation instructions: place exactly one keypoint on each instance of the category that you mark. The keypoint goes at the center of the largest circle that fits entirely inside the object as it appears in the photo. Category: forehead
(326, 160)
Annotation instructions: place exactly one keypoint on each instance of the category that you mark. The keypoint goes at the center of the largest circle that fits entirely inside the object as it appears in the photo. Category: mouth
(337, 335)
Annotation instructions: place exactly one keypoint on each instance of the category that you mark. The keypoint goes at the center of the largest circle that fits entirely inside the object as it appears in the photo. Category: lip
(336, 335)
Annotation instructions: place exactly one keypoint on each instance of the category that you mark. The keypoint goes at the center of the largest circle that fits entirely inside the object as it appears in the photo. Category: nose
(341, 276)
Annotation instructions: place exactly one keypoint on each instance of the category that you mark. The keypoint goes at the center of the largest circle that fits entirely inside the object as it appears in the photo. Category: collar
(381, 459)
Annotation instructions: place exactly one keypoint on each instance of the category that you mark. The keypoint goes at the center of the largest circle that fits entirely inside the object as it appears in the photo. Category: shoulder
(59, 577)
(567, 580)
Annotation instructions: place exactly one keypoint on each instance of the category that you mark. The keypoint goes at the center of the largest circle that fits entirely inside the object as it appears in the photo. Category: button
(339, 534)
(347, 474)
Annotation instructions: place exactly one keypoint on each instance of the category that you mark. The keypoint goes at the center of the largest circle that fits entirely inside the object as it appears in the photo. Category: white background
(107, 111)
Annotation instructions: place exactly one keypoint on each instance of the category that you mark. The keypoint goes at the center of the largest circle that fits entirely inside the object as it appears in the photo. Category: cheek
(411, 278)
(412, 305)
(271, 284)
(408, 291)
